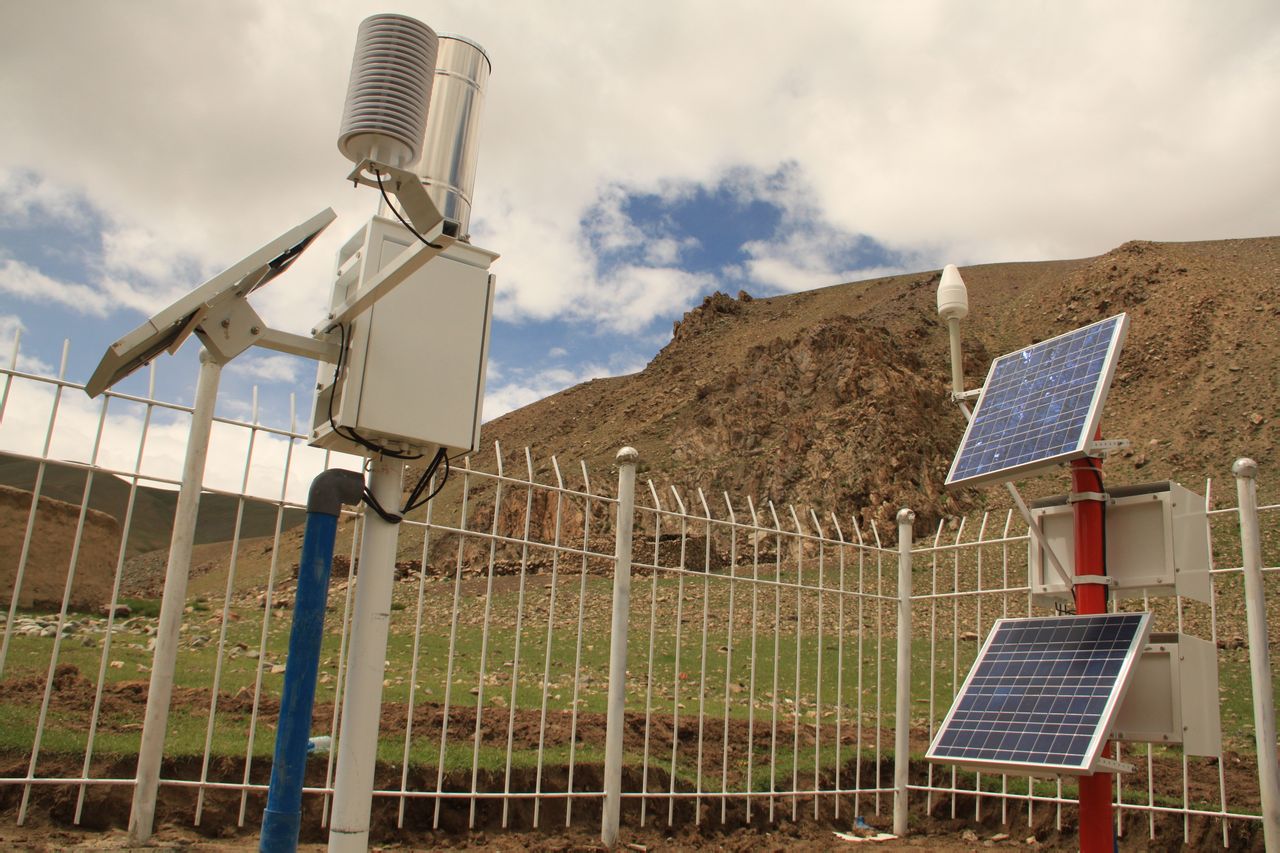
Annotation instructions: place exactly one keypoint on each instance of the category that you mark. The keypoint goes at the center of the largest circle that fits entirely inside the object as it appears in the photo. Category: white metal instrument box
(1157, 543)
(413, 367)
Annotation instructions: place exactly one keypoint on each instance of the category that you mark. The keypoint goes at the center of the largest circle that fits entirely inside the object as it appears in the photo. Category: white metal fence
(781, 663)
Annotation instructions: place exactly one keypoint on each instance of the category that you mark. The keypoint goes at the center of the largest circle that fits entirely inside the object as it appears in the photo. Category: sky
(634, 158)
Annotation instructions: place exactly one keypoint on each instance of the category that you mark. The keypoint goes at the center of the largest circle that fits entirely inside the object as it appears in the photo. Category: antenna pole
(957, 356)
(1097, 834)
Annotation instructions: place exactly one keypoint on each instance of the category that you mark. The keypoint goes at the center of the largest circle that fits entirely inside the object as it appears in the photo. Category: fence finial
(627, 454)
(1245, 467)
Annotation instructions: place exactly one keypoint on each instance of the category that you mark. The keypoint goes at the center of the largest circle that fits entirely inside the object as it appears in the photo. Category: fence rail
(565, 646)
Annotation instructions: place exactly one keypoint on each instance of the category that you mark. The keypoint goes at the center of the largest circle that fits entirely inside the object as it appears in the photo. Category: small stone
(969, 835)
(1032, 841)
(1256, 418)
(969, 635)
(253, 654)
(277, 668)
(1000, 836)
(117, 664)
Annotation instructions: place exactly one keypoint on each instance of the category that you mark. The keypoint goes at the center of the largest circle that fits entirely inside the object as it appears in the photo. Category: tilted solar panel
(1043, 693)
(1040, 405)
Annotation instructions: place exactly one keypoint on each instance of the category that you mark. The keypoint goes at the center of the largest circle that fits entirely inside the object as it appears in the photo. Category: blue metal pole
(282, 818)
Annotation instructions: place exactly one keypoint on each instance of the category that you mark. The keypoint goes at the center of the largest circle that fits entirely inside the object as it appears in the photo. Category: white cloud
(976, 132)
(271, 368)
(557, 352)
(82, 434)
(29, 284)
(11, 331)
(26, 196)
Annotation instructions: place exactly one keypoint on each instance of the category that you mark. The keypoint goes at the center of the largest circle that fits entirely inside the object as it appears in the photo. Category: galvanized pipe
(616, 723)
(1255, 604)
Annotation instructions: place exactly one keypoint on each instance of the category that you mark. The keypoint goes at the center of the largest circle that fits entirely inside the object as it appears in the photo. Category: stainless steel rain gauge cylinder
(389, 91)
(450, 145)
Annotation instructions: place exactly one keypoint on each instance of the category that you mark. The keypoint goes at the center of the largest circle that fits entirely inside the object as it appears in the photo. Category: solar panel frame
(1014, 734)
(998, 445)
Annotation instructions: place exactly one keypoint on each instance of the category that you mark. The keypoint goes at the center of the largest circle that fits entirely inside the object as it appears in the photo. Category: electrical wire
(415, 496)
(347, 432)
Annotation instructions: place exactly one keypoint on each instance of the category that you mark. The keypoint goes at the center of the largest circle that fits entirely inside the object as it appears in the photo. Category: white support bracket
(961, 396)
(1110, 765)
(287, 342)
(408, 190)
(1078, 497)
(1101, 580)
(1106, 446)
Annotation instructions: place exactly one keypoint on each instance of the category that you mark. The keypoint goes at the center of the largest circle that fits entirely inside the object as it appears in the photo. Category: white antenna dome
(389, 91)
(953, 298)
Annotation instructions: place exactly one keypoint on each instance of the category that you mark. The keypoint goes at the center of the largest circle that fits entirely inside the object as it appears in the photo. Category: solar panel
(1040, 405)
(1043, 694)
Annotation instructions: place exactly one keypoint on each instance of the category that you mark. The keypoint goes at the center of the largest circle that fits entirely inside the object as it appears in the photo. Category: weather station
(401, 370)
(1047, 695)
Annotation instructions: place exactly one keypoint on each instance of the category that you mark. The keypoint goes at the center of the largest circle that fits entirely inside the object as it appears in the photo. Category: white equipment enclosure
(412, 373)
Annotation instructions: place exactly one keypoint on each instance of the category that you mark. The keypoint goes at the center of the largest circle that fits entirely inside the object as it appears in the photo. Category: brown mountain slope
(836, 399)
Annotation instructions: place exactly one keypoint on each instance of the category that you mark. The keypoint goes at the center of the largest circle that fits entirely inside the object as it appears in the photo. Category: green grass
(787, 647)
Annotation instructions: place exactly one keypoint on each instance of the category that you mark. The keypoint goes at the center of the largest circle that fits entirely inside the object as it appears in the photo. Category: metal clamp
(1077, 497)
(1102, 580)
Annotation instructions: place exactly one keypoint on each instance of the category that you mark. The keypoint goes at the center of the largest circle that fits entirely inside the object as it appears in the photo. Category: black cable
(382, 189)
(347, 432)
(427, 474)
(388, 517)
(447, 468)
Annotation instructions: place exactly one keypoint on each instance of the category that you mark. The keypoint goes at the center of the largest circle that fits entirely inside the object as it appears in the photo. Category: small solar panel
(1043, 694)
(1040, 405)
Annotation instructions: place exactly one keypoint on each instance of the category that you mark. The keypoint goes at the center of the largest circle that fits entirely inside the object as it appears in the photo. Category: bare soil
(50, 819)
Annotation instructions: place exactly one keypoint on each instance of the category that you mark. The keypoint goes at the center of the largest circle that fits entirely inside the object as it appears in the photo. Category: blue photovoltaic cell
(1040, 405)
(1042, 693)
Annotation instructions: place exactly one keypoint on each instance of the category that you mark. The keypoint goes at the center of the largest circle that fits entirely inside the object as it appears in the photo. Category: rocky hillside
(837, 398)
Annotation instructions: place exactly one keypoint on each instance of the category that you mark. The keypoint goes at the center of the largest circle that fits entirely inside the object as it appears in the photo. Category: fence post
(902, 718)
(615, 726)
(1255, 606)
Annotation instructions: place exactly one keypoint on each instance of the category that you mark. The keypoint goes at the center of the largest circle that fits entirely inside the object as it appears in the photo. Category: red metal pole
(1096, 817)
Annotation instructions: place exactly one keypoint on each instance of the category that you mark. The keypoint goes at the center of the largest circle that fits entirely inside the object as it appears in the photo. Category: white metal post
(957, 356)
(151, 750)
(362, 702)
(902, 719)
(615, 725)
(1255, 606)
